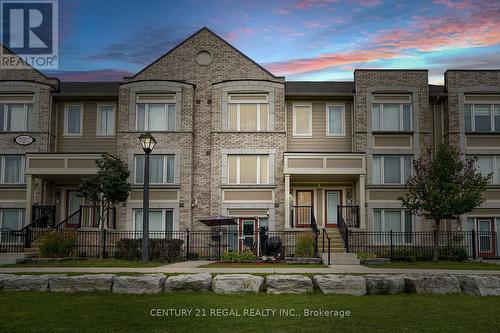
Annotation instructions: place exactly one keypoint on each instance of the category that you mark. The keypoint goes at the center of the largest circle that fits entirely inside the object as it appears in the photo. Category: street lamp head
(148, 142)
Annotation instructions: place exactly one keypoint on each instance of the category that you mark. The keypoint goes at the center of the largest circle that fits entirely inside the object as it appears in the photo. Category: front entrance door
(333, 200)
(73, 203)
(303, 208)
(248, 233)
(485, 234)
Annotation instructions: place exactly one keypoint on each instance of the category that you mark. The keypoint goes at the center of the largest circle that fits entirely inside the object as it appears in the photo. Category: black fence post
(473, 235)
(103, 244)
(218, 245)
(187, 244)
(347, 232)
(392, 254)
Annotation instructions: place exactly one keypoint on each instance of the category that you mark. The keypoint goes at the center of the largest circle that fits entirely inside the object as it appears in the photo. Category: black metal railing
(415, 246)
(349, 215)
(38, 227)
(302, 216)
(46, 215)
(328, 239)
(11, 241)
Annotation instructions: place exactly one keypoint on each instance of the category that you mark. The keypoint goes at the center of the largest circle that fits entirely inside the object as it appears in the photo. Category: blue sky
(301, 39)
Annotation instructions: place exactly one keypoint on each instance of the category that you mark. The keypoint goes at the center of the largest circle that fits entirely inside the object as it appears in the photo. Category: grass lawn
(89, 263)
(261, 265)
(107, 312)
(439, 265)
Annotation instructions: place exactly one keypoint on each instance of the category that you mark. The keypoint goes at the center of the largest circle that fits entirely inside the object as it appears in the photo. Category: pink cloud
(237, 34)
(283, 11)
(313, 24)
(307, 4)
(365, 3)
(454, 4)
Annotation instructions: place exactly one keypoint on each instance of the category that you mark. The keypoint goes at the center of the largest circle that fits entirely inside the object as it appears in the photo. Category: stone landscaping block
(27, 282)
(140, 284)
(237, 283)
(480, 285)
(432, 284)
(384, 284)
(189, 282)
(341, 284)
(288, 284)
(4, 277)
(91, 282)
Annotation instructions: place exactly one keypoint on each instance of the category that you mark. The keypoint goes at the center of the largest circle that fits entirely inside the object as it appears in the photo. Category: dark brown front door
(303, 208)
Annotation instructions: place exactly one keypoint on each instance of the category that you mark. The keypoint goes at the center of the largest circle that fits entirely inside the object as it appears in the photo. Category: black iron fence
(11, 241)
(415, 246)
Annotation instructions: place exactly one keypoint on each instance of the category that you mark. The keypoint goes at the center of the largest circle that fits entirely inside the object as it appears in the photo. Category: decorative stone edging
(471, 284)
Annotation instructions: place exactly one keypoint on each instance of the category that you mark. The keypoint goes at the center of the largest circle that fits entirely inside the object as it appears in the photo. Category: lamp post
(147, 143)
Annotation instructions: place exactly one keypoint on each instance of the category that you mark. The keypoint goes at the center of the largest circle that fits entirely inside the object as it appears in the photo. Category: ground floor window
(160, 221)
(395, 220)
(10, 219)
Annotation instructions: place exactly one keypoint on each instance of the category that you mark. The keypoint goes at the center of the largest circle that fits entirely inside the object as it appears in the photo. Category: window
(12, 169)
(73, 120)
(302, 120)
(160, 222)
(15, 117)
(489, 164)
(161, 169)
(11, 219)
(391, 117)
(105, 120)
(248, 112)
(156, 113)
(391, 169)
(386, 220)
(248, 169)
(482, 117)
(335, 120)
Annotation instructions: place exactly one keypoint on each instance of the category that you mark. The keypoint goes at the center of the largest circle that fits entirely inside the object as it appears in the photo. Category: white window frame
(294, 120)
(238, 165)
(2, 169)
(473, 116)
(6, 102)
(248, 101)
(165, 171)
(342, 106)
(167, 102)
(21, 212)
(402, 221)
(401, 168)
(495, 180)
(66, 107)
(401, 116)
(98, 128)
(163, 218)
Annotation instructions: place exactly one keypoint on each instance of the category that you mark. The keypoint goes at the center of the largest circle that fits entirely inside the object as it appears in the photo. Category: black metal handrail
(73, 221)
(325, 234)
(36, 228)
(350, 215)
(344, 230)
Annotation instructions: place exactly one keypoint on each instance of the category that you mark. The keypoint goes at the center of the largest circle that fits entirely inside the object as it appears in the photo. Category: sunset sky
(301, 39)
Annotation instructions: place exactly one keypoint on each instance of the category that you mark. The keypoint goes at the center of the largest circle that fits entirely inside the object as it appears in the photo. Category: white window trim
(98, 127)
(492, 116)
(294, 122)
(496, 176)
(249, 101)
(80, 134)
(402, 221)
(401, 168)
(238, 164)
(21, 212)
(5, 118)
(165, 171)
(146, 117)
(338, 135)
(2, 170)
(401, 117)
(163, 218)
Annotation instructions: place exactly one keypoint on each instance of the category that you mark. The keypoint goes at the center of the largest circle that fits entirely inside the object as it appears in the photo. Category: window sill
(333, 136)
(387, 186)
(157, 186)
(105, 136)
(302, 136)
(73, 136)
(13, 186)
(483, 133)
(392, 132)
(246, 186)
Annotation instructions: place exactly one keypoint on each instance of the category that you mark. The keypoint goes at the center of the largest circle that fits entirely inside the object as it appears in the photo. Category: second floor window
(161, 169)
(155, 117)
(248, 112)
(391, 169)
(105, 120)
(12, 169)
(15, 117)
(73, 120)
(391, 117)
(248, 169)
(489, 164)
(482, 117)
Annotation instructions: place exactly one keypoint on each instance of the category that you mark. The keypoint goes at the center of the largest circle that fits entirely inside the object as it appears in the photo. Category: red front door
(303, 208)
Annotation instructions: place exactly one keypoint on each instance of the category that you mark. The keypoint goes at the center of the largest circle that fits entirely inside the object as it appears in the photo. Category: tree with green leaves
(106, 188)
(444, 187)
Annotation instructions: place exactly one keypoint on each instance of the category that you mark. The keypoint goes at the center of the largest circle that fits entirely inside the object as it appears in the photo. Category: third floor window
(482, 117)
(155, 113)
(248, 112)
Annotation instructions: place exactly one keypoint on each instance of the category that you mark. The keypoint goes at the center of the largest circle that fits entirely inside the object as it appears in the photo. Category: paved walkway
(193, 267)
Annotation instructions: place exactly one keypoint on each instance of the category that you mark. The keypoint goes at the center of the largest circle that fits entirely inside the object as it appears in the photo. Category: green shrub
(304, 247)
(457, 253)
(238, 256)
(363, 256)
(168, 250)
(56, 245)
(193, 256)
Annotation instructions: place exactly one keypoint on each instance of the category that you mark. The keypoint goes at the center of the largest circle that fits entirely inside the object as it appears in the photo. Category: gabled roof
(197, 32)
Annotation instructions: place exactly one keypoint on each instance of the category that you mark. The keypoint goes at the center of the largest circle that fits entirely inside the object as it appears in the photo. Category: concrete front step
(14, 257)
(341, 259)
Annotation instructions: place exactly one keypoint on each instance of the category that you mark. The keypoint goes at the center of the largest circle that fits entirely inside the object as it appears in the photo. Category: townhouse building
(234, 139)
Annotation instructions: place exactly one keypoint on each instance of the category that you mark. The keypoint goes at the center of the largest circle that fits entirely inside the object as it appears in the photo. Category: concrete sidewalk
(194, 267)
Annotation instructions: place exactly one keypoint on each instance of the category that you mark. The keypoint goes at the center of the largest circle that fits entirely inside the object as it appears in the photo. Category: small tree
(444, 187)
(107, 187)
